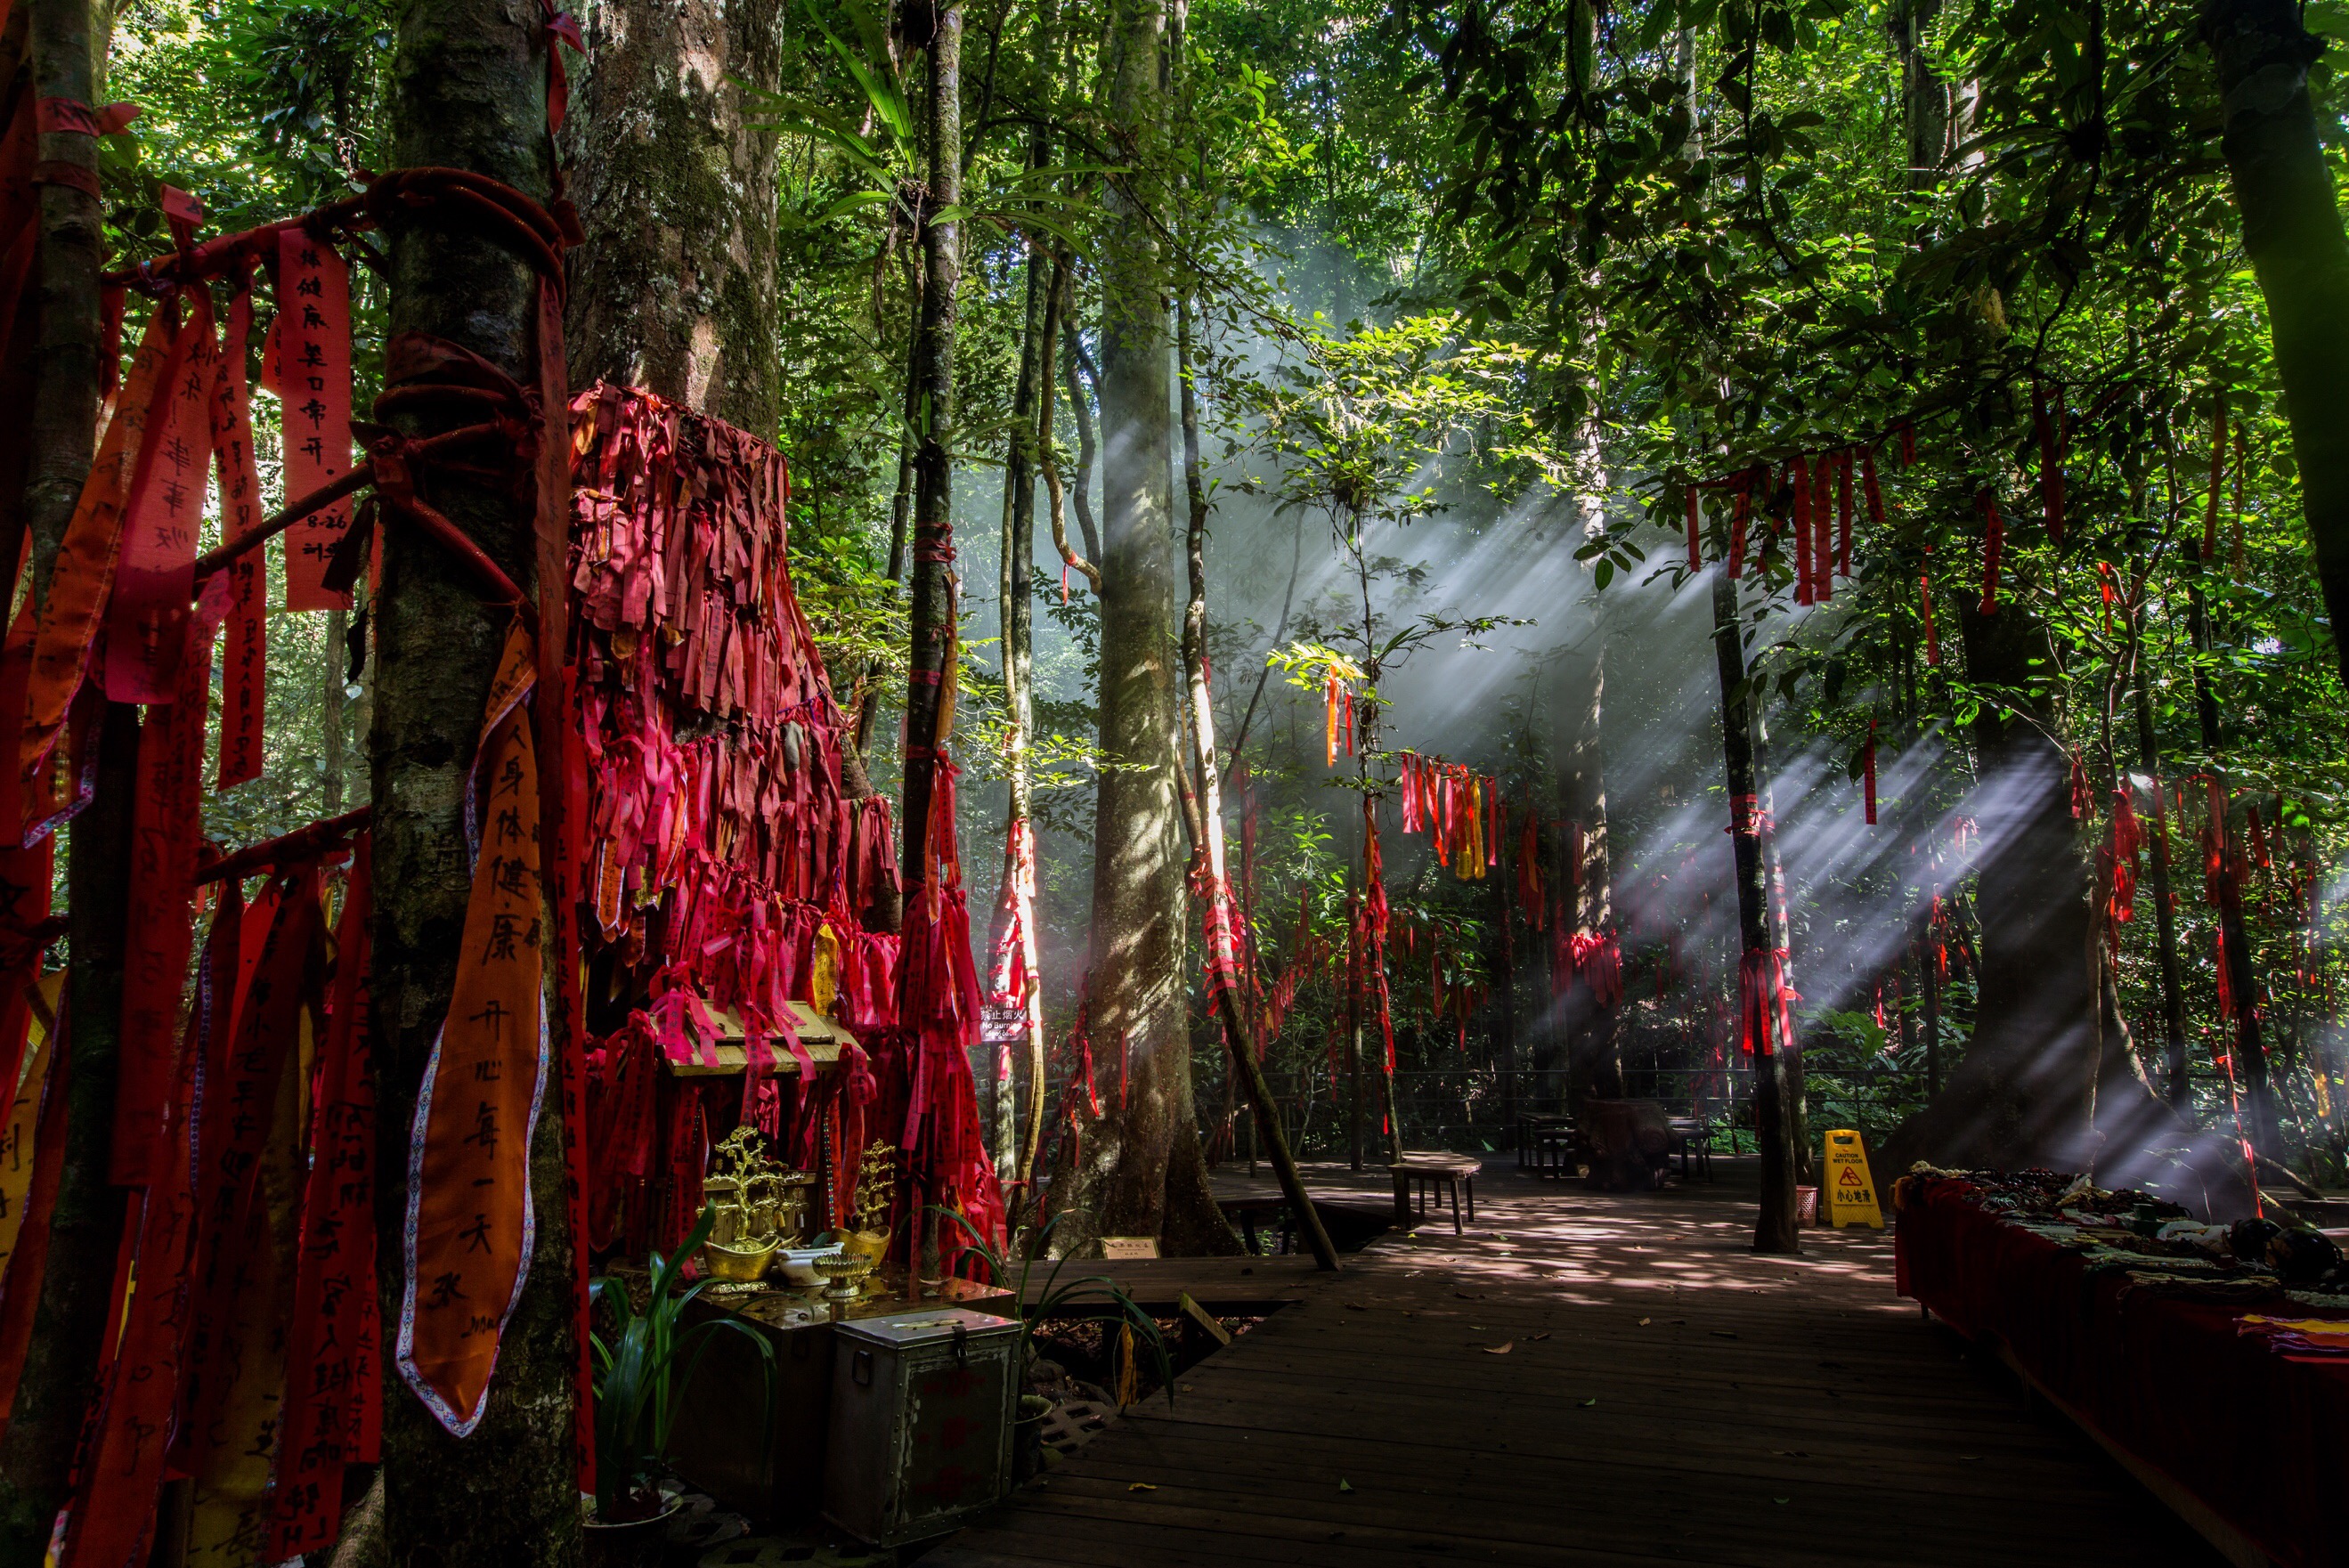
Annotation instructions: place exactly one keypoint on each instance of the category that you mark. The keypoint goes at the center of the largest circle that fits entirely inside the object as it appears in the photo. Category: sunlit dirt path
(1583, 1378)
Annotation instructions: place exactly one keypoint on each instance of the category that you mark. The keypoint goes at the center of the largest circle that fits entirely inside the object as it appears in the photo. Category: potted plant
(641, 1373)
(1027, 1426)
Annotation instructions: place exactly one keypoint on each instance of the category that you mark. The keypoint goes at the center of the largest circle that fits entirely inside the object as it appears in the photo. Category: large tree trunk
(2043, 1082)
(674, 290)
(2292, 233)
(1142, 1172)
(467, 92)
(1773, 1224)
(85, 1224)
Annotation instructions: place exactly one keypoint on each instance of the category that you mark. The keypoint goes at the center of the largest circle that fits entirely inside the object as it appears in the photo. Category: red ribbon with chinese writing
(470, 1221)
(333, 1411)
(155, 570)
(313, 379)
(244, 661)
(160, 925)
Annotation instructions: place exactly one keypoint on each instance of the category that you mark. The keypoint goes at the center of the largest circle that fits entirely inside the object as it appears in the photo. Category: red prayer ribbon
(312, 377)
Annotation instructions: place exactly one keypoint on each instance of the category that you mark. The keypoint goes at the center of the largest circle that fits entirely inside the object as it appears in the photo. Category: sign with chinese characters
(1851, 1190)
(313, 375)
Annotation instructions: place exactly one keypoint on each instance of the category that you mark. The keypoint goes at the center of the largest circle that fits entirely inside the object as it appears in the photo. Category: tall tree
(1142, 1172)
(86, 1221)
(468, 92)
(1594, 1064)
(673, 289)
(2292, 233)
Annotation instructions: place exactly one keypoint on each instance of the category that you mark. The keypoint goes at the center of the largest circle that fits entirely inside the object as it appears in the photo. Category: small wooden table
(1443, 1174)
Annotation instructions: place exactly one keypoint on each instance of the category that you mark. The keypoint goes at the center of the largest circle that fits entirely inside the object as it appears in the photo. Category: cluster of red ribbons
(724, 865)
(1458, 808)
(1337, 718)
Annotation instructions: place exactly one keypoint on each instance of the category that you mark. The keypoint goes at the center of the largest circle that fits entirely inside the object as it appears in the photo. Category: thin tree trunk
(1774, 1225)
(1239, 1037)
(467, 92)
(331, 714)
(2292, 233)
(2164, 912)
(1594, 1063)
(1143, 1172)
(674, 290)
(37, 1455)
(2247, 1048)
(934, 386)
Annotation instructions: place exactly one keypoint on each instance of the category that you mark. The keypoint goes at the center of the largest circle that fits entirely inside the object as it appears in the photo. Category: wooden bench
(1443, 1174)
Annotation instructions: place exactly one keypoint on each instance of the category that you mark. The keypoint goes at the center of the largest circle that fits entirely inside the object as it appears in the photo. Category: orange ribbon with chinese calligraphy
(83, 578)
(470, 1224)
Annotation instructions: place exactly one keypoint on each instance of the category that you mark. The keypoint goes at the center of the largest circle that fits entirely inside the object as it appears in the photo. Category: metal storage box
(921, 1422)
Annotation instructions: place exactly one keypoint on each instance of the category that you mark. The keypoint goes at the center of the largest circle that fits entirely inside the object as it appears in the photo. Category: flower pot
(634, 1543)
(1027, 1437)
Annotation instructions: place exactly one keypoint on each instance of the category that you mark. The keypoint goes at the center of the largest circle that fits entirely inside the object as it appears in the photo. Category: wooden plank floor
(1665, 1396)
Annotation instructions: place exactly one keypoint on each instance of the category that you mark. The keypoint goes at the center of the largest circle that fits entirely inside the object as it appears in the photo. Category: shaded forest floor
(1664, 1396)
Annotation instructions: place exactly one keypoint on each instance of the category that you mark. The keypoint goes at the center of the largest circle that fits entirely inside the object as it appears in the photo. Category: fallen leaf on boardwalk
(1587, 1403)
(1469, 1295)
(1643, 1323)
(1187, 1388)
(1345, 1485)
(1355, 1306)
(1543, 1335)
(1777, 1500)
(1790, 1453)
(1502, 1349)
(1722, 1334)
(1142, 1486)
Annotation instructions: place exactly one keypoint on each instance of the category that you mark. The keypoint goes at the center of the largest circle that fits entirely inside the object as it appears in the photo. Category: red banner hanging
(1822, 533)
(168, 826)
(333, 1413)
(244, 661)
(1696, 559)
(1798, 475)
(469, 1220)
(83, 578)
(1868, 773)
(313, 375)
(155, 571)
(1994, 546)
(28, 1251)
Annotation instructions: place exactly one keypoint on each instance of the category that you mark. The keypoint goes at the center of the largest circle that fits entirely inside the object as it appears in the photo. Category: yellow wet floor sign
(1851, 1190)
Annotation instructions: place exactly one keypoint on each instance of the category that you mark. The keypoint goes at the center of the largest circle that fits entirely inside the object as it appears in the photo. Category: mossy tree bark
(674, 290)
(1142, 1172)
(2292, 233)
(468, 92)
(37, 1457)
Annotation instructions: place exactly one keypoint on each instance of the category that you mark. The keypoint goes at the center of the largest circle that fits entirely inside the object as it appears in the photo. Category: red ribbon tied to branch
(1768, 1022)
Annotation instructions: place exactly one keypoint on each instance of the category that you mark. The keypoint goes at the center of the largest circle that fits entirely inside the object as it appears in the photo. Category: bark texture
(2292, 233)
(1773, 1223)
(674, 290)
(1141, 1170)
(37, 1456)
(468, 92)
(1594, 1065)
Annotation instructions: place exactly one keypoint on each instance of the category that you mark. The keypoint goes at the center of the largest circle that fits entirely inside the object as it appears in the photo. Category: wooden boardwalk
(1583, 1379)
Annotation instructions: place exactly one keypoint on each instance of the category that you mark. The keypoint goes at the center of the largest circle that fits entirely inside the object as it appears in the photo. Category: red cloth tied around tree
(155, 570)
(1993, 545)
(1868, 773)
(470, 1224)
(2116, 866)
(938, 1013)
(1765, 1018)
(1598, 961)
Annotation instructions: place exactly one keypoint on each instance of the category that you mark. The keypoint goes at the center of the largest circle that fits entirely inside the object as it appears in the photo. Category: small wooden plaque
(1116, 1248)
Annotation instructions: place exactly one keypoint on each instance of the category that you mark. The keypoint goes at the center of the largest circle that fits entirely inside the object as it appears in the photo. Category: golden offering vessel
(845, 1275)
(758, 1206)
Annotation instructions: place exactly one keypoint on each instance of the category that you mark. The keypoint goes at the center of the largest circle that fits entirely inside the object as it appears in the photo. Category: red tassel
(1868, 765)
(1696, 562)
(1798, 474)
(1737, 531)
(1843, 513)
(1993, 545)
(1933, 639)
(2051, 463)
(1822, 533)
